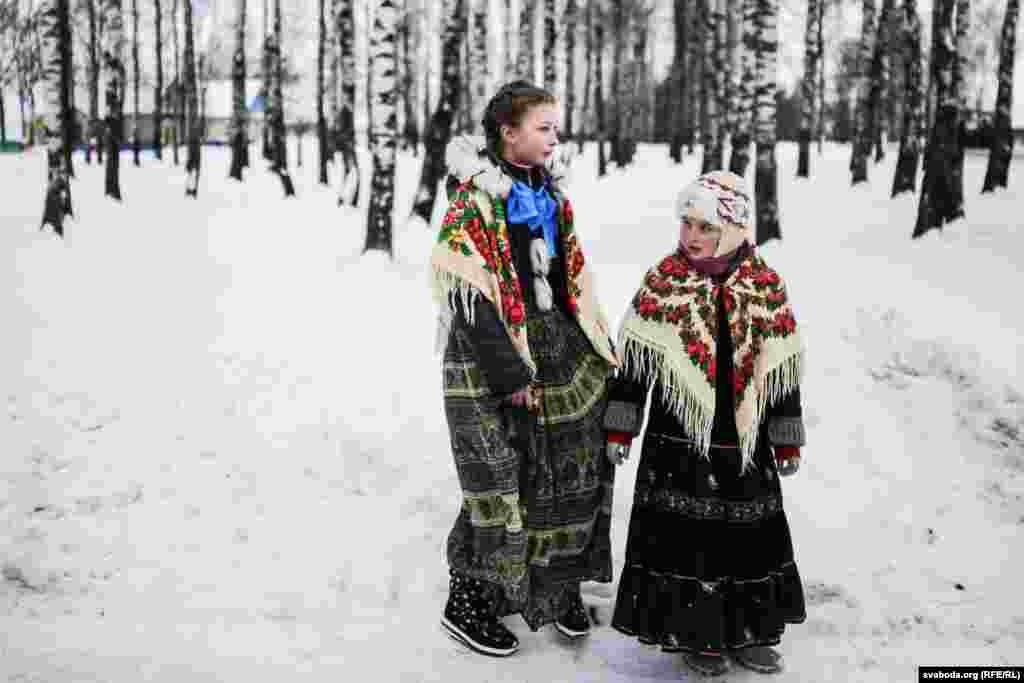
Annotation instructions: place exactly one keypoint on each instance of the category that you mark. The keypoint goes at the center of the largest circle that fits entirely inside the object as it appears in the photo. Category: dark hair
(508, 107)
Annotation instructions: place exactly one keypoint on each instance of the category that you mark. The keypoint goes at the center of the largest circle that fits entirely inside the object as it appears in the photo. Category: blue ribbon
(536, 209)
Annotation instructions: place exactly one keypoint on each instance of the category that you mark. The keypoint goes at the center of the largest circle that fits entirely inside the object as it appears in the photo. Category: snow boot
(706, 664)
(574, 623)
(469, 619)
(763, 660)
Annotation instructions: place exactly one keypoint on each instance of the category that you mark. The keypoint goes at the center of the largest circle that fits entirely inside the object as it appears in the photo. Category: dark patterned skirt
(709, 559)
(537, 489)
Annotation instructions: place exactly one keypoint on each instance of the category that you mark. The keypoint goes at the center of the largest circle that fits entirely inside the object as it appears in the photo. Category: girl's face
(533, 141)
(699, 238)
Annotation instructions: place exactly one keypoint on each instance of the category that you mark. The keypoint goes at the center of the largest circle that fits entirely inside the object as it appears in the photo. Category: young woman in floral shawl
(527, 357)
(709, 566)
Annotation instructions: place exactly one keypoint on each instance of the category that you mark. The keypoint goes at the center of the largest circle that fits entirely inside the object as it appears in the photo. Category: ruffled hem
(688, 614)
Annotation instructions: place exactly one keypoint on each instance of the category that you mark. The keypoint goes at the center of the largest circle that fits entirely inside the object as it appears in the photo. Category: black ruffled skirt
(709, 559)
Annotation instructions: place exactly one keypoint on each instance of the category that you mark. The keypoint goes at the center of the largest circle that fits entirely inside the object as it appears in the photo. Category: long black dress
(709, 559)
(553, 463)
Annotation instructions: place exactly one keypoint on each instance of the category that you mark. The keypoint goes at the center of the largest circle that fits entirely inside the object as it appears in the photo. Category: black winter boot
(470, 619)
(574, 623)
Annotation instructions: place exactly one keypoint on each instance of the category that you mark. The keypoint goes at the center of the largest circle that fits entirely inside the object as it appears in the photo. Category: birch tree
(193, 152)
(525, 57)
(179, 86)
(384, 125)
(677, 98)
(807, 86)
(863, 138)
(56, 72)
(439, 130)
(238, 132)
(938, 202)
(880, 80)
(268, 79)
(137, 81)
(711, 114)
(92, 135)
(1001, 149)
(765, 174)
(279, 144)
(599, 99)
(963, 20)
(158, 90)
(113, 50)
(570, 67)
(321, 115)
(478, 67)
(739, 158)
(550, 47)
(345, 32)
(905, 177)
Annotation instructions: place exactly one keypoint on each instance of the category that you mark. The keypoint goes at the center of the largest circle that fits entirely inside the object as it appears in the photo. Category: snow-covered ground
(224, 456)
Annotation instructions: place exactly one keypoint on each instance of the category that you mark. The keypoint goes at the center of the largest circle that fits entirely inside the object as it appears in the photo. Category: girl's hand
(617, 448)
(788, 460)
(525, 398)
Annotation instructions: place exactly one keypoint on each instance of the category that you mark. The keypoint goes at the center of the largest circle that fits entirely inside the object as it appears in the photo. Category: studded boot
(574, 623)
(469, 619)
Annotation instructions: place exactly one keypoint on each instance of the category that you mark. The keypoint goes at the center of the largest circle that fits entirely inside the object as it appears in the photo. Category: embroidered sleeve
(785, 421)
(627, 399)
(502, 366)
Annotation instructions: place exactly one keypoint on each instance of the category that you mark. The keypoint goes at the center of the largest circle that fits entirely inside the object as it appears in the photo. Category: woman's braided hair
(508, 107)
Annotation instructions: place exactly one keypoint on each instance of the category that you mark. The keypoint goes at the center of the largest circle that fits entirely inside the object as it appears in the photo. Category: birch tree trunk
(765, 175)
(1001, 150)
(323, 145)
(677, 98)
(345, 30)
(385, 128)
(278, 131)
(863, 138)
(586, 121)
(239, 117)
(807, 89)
(905, 178)
(55, 28)
(509, 28)
(618, 86)
(963, 20)
(268, 81)
(478, 71)
(711, 118)
(550, 47)
(158, 90)
(881, 79)
(193, 158)
(570, 67)
(439, 131)
(938, 205)
(137, 82)
(93, 138)
(179, 86)
(113, 49)
(525, 58)
(410, 131)
(599, 98)
(739, 158)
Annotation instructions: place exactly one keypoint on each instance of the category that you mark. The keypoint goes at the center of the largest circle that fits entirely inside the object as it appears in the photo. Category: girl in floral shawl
(711, 337)
(526, 362)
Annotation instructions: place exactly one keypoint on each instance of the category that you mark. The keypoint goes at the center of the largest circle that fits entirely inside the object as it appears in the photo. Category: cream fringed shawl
(473, 256)
(669, 336)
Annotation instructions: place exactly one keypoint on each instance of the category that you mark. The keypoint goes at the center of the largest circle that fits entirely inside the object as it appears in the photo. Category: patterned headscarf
(719, 198)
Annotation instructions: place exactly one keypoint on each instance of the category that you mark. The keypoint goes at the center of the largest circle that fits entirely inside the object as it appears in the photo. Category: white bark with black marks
(113, 58)
(56, 76)
(384, 125)
(766, 170)
(439, 130)
(345, 34)
(1001, 150)
(238, 132)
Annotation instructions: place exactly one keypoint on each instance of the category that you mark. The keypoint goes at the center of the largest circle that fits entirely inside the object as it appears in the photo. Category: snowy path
(225, 456)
